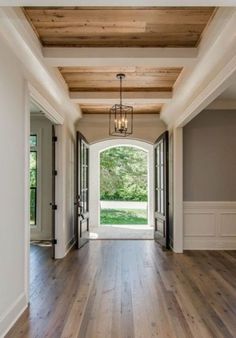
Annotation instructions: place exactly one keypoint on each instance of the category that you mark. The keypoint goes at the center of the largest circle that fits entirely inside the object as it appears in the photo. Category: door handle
(78, 204)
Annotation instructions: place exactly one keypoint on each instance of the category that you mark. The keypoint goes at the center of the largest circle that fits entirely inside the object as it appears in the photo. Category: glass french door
(82, 191)
(53, 203)
(161, 233)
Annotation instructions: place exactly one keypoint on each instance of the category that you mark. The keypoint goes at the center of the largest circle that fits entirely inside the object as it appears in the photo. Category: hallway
(130, 289)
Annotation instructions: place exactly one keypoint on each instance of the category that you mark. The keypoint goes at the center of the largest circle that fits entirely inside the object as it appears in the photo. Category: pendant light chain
(121, 90)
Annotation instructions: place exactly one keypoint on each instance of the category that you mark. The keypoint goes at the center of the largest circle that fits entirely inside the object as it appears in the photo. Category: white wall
(13, 241)
(147, 127)
(14, 183)
(42, 127)
(94, 176)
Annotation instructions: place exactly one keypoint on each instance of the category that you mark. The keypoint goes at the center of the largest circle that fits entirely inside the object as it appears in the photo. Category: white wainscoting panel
(210, 225)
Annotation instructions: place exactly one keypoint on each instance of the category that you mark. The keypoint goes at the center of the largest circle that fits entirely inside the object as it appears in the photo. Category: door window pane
(33, 160)
(33, 179)
(84, 176)
(33, 141)
(33, 204)
(160, 177)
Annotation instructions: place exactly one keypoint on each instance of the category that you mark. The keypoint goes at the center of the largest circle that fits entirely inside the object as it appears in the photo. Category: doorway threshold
(121, 231)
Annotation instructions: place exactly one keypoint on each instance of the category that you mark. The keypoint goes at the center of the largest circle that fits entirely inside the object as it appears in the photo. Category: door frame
(57, 120)
(94, 176)
(80, 137)
(163, 217)
(31, 94)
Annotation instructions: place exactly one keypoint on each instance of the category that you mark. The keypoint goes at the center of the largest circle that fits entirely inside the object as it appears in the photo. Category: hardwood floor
(130, 289)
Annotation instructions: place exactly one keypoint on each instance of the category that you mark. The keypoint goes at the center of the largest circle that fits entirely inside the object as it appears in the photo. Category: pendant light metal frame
(121, 116)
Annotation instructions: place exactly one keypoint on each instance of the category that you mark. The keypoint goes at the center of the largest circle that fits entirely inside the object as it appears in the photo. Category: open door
(53, 202)
(82, 191)
(161, 234)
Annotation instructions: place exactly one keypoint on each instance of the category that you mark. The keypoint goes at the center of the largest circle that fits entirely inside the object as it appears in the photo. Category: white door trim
(49, 111)
(178, 189)
(32, 94)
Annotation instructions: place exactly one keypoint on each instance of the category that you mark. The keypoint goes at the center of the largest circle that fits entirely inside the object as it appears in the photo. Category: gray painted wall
(210, 157)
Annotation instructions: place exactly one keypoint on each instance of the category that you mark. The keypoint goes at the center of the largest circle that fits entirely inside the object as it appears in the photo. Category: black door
(53, 203)
(161, 234)
(82, 191)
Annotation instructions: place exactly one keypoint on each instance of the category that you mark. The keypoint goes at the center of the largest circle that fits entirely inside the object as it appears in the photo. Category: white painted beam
(111, 97)
(119, 57)
(115, 3)
(214, 71)
(215, 87)
(17, 32)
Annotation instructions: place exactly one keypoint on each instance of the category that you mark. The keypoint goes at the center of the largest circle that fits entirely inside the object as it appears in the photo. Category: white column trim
(27, 189)
(178, 189)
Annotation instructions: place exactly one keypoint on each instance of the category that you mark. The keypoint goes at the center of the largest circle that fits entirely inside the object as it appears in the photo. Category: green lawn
(123, 216)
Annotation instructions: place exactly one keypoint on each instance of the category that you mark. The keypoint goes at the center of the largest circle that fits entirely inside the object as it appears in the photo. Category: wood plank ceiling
(119, 27)
(103, 79)
(174, 27)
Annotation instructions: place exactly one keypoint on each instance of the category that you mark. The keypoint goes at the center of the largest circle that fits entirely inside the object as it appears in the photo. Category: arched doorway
(97, 201)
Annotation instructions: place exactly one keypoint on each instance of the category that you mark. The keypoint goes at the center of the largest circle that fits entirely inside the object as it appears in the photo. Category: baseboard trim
(12, 314)
(208, 244)
(70, 245)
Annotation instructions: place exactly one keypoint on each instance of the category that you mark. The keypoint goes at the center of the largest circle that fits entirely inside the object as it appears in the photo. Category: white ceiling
(35, 110)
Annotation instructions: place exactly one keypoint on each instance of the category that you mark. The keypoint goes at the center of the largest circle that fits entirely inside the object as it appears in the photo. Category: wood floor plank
(130, 289)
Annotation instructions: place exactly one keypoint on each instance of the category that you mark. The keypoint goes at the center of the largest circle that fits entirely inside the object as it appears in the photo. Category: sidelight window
(33, 179)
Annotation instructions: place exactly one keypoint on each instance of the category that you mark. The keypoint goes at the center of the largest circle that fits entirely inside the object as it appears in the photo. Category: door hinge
(54, 241)
(54, 206)
(54, 139)
(54, 172)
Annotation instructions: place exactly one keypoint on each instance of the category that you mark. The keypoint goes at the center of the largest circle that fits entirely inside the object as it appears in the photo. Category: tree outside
(123, 177)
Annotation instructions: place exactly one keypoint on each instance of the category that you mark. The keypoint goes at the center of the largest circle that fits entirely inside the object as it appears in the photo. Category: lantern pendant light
(121, 116)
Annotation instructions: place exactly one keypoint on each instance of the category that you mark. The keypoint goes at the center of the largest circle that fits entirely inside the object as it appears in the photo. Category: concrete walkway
(123, 205)
(116, 232)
